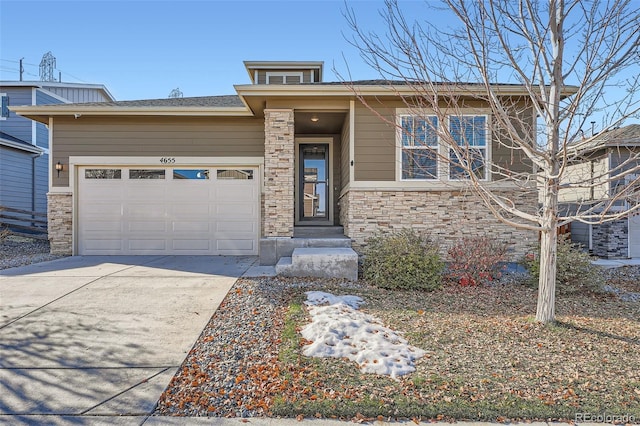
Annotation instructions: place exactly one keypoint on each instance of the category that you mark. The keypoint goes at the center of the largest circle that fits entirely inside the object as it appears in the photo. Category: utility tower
(175, 93)
(47, 65)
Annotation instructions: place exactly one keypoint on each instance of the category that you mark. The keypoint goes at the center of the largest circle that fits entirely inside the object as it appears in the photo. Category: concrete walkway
(102, 335)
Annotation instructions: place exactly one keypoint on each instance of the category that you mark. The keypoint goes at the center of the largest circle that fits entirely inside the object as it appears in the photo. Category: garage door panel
(191, 244)
(102, 244)
(101, 226)
(190, 226)
(236, 210)
(146, 226)
(152, 216)
(147, 244)
(236, 246)
(195, 211)
(235, 227)
(94, 209)
(145, 211)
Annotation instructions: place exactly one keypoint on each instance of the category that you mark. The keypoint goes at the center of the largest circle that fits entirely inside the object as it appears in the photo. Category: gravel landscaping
(486, 359)
(19, 251)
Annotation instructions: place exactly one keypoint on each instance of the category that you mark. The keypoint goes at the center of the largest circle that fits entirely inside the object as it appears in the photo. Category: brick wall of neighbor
(60, 217)
(279, 152)
(611, 240)
(444, 215)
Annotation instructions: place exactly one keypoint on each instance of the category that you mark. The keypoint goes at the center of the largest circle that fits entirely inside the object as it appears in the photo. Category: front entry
(313, 195)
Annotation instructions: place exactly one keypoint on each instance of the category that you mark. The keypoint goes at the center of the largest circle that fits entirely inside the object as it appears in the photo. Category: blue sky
(143, 49)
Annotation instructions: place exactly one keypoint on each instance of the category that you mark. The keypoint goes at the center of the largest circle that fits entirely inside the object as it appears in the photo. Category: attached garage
(167, 210)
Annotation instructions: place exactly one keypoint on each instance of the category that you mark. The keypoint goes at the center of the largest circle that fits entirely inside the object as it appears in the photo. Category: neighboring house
(288, 156)
(24, 144)
(602, 158)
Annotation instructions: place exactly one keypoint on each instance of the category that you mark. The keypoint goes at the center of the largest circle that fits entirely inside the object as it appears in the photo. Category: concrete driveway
(103, 335)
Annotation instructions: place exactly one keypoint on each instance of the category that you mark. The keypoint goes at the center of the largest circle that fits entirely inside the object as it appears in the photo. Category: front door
(313, 184)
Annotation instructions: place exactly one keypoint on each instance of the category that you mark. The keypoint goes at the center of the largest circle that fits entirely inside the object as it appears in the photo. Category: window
(284, 77)
(5, 106)
(470, 133)
(234, 174)
(419, 147)
(102, 174)
(425, 154)
(146, 174)
(190, 174)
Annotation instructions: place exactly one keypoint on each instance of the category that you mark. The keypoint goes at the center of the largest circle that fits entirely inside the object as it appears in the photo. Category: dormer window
(284, 72)
(275, 77)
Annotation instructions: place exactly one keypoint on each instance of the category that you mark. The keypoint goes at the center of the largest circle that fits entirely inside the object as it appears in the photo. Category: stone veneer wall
(611, 239)
(60, 217)
(279, 167)
(446, 216)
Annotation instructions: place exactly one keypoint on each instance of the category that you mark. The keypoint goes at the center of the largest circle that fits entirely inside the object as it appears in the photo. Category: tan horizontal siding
(161, 136)
(374, 144)
(344, 154)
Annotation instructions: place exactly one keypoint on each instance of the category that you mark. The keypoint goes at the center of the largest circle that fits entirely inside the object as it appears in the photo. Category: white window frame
(443, 170)
(284, 76)
(486, 148)
(412, 147)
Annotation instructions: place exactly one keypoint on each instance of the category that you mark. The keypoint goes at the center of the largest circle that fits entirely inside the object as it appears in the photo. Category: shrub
(476, 261)
(574, 270)
(403, 260)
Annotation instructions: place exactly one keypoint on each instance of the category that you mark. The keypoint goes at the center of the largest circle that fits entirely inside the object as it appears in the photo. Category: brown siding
(374, 144)
(344, 153)
(502, 150)
(375, 141)
(155, 136)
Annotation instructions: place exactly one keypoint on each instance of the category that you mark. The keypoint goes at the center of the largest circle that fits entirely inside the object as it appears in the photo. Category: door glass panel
(314, 185)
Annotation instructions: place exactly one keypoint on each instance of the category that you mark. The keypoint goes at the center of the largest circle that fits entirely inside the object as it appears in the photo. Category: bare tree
(564, 57)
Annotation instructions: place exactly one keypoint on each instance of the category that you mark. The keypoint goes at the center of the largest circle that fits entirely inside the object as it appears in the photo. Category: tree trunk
(545, 312)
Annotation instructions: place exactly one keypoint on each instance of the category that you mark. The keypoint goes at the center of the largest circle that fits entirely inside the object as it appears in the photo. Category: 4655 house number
(167, 160)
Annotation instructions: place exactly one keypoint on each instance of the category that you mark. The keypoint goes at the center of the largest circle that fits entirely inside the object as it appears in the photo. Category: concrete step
(274, 248)
(328, 262)
(319, 232)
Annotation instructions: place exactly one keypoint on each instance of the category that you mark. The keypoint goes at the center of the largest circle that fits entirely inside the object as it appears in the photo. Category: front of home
(245, 174)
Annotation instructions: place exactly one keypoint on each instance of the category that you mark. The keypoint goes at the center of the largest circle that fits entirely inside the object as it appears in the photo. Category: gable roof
(619, 137)
(56, 84)
(226, 105)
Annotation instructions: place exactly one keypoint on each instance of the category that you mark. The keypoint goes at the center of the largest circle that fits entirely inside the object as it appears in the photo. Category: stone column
(279, 166)
(60, 227)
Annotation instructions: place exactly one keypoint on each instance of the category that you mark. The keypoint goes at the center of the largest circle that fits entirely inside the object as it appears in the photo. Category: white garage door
(634, 235)
(172, 210)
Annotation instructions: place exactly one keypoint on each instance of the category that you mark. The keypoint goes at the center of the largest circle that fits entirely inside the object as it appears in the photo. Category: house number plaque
(167, 160)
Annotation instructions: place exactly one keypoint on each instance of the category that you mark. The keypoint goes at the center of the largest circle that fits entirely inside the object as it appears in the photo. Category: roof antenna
(47, 65)
(593, 128)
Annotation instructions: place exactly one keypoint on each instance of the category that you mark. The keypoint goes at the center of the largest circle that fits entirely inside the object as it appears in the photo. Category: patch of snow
(339, 330)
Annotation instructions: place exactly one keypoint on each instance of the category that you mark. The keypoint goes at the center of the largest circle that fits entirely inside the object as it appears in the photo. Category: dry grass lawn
(486, 358)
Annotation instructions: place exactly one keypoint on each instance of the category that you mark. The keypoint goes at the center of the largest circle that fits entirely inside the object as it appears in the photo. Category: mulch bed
(486, 357)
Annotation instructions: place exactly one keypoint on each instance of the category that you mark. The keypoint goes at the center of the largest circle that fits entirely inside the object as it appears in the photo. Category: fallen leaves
(484, 350)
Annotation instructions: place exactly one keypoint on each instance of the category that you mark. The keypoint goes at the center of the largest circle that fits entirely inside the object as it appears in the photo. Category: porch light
(315, 118)
(58, 168)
